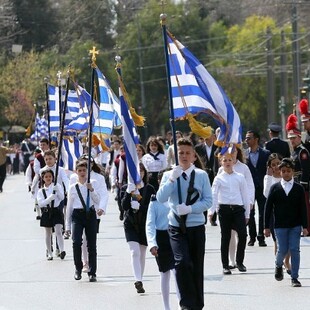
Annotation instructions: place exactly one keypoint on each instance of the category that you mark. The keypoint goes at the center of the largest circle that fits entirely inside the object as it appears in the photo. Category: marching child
(286, 202)
(49, 198)
(186, 222)
(231, 199)
(159, 245)
(82, 216)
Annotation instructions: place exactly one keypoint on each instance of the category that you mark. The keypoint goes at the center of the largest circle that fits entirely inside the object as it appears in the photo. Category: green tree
(87, 21)
(142, 51)
(37, 19)
(21, 85)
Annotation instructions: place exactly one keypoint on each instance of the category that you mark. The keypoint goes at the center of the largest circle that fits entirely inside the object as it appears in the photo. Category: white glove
(183, 209)
(135, 205)
(176, 173)
(55, 188)
(130, 188)
(50, 198)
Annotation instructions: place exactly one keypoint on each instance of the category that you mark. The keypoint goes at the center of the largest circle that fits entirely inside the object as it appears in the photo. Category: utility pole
(284, 84)
(296, 57)
(271, 115)
(142, 90)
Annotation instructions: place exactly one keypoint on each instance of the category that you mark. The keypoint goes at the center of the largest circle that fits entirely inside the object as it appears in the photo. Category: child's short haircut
(80, 163)
(50, 153)
(184, 141)
(287, 162)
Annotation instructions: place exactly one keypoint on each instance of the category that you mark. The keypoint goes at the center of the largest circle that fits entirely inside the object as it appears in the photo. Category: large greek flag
(109, 108)
(70, 152)
(77, 112)
(195, 91)
(131, 139)
(81, 120)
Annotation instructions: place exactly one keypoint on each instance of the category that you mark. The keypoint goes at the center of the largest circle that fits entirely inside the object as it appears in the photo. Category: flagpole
(62, 122)
(163, 18)
(93, 54)
(46, 79)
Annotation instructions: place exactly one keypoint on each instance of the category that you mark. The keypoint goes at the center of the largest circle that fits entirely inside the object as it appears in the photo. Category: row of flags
(193, 91)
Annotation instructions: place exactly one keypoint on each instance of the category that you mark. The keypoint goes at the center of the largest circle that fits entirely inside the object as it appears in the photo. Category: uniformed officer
(305, 119)
(277, 145)
(301, 158)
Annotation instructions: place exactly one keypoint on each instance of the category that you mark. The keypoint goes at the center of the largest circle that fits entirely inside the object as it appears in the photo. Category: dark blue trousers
(189, 251)
(81, 221)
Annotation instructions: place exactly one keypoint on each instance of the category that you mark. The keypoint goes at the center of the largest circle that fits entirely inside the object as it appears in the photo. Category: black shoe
(139, 287)
(92, 278)
(226, 271)
(295, 283)
(62, 254)
(121, 216)
(38, 217)
(77, 275)
(262, 243)
(213, 223)
(232, 266)
(278, 274)
(241, 267)
(289, 271)
(251, 242)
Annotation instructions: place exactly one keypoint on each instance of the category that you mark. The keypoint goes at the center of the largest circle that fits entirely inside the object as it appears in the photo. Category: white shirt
(230, 189)
(287, 185)
(42, 201)
(245, 171)
(152, 165)
(101, 190)
(269, 180)
(74, 201)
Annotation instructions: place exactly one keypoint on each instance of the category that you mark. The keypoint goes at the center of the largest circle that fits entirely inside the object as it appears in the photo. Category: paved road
(29, 281)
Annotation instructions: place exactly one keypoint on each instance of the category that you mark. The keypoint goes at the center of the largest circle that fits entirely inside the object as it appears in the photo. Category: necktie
(155, 155)
(184, 175)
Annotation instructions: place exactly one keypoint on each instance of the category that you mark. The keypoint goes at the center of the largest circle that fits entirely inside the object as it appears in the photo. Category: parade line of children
(166, 212)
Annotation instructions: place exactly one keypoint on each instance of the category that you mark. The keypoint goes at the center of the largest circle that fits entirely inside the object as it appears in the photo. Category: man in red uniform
(301, 158)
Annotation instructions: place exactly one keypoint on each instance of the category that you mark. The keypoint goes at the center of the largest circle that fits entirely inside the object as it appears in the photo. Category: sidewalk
(29, 281)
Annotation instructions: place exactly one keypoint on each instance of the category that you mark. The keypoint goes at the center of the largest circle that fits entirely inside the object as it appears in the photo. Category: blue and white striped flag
(70, 152)
(41, 129)
(81, 120)
(131, 139)
(195, 91)
(77, 113)
(109, 108)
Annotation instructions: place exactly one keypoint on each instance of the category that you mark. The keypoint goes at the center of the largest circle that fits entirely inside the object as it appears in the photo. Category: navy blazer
(260, 170)
(279, 146)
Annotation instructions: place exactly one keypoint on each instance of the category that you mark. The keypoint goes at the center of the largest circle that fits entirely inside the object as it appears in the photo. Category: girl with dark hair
(154, 160)
(49, 198)
(135, 203)
(274, 176)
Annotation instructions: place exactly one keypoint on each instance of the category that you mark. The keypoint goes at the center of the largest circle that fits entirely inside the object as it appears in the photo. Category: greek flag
(130, 141)
(41, 128)
(81, 120)
(70, 152)
(109, 108)
(195, 91)
(77, 112)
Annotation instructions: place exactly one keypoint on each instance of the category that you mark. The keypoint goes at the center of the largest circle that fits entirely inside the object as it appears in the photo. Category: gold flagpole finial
(93, 52)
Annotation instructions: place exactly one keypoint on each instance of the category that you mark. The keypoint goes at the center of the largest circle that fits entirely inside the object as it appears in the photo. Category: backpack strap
(45, 196)
(81, 197)
(189, 201)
